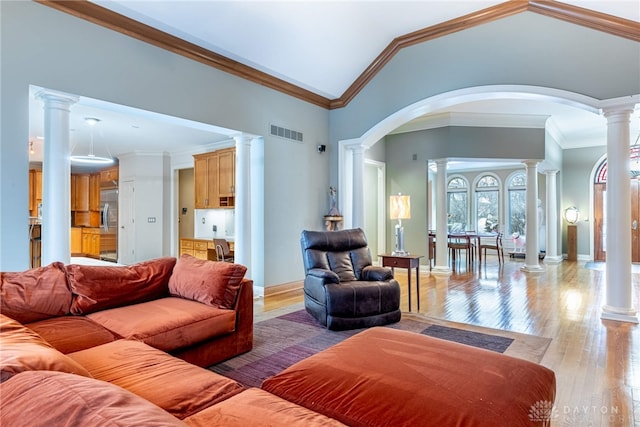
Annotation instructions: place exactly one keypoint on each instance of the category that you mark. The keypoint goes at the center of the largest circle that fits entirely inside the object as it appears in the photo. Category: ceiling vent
(281, 132)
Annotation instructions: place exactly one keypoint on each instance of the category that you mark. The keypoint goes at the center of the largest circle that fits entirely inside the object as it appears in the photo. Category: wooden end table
(408, 262)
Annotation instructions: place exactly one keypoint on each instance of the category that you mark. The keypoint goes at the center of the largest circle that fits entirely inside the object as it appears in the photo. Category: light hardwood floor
(597, 363)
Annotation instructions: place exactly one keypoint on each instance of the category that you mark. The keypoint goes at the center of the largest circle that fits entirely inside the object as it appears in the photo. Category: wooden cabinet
(109, 175)
(198, 248)
(91, 242)
(82, 193)
(186, 247)
(35, 191)
(214, 177)
(226, 173)
(76, 241)
(94, 193)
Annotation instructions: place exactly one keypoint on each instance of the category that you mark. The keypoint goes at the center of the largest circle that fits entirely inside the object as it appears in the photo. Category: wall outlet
(151, 219)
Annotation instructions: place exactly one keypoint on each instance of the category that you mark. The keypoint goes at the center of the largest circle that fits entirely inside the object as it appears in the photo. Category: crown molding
(114, 21)
(99, 15)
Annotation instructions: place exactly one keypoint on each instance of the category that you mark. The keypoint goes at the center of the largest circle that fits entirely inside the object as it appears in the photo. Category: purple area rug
(282, 341)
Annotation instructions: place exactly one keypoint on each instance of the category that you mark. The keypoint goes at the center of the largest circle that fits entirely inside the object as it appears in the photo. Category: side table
(408, 262)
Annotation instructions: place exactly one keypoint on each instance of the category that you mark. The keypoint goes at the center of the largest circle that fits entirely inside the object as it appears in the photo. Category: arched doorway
(599, 208)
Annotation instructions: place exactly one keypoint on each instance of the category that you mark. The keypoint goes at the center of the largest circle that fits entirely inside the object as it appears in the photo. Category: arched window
(487, 192)
(634, 158)
(457, 204)
(517, 203)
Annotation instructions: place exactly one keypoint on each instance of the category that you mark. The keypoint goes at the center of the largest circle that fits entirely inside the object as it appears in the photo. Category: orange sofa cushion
(168, 323)
(257, 408)
(35, 294)
(21, 350)
(43, 398)
(97, 288)
(71, 333)
(209, 282)
(176, 386)
(385, 377)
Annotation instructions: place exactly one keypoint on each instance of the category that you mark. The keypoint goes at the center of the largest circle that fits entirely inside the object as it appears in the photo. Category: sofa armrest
(327, 276)
(374, 273)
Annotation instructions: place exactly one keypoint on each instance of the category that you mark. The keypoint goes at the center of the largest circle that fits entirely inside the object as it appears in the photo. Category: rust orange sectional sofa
(105, 346)
(70, 355)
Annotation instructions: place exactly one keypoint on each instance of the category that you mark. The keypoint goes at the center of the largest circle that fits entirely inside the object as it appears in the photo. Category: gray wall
(577, 189)
(44, 47)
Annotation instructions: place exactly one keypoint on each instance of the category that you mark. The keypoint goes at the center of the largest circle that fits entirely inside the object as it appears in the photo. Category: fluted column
(531, 261)
(358, 186)
(56, 178)
(242, 250)
(619, 300)
(552, 255)
(442, 238)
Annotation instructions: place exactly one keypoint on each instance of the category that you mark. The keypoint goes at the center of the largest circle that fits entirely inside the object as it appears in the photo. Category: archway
(350, 151)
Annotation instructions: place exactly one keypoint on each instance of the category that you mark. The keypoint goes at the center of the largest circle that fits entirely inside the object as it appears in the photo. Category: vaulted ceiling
(325, 51)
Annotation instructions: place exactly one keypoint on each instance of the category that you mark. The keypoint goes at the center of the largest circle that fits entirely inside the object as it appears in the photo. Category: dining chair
(431, 239)
(223, 252)
(497, 246)
(458, 243)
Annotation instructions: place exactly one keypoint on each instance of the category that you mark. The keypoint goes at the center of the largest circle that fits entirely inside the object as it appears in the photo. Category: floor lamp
(400, 209)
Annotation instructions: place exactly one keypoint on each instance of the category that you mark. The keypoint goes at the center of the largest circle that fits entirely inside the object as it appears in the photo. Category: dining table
(470, 240)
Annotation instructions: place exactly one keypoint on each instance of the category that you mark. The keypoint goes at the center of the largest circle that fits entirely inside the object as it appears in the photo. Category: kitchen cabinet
(94, 193)
(186, 247)
(91, 242)
(35, 191)
(214, 178)
(109, 175)
(82, 193)
(76, 241)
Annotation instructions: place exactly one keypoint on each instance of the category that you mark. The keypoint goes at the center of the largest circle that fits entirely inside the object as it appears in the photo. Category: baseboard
(283, 288)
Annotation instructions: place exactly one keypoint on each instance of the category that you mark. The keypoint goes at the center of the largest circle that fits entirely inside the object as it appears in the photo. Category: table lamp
(400, 209)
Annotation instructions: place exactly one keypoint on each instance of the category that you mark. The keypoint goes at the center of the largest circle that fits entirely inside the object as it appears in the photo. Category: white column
(619, 300)
(358, 186)
(442, 235)
(531, 261)
(242, 243)
(552, 255)
(56, 178)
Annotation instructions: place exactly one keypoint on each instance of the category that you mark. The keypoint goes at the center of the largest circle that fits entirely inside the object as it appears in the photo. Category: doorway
(600, 221)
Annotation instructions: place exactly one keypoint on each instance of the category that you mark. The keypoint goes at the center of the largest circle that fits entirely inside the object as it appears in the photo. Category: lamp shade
(400, 207)
(572, 215)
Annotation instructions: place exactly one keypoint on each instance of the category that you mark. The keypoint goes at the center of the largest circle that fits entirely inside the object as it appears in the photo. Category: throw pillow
(24, 350)
(97, 288)
(35, 294)
(209, 282)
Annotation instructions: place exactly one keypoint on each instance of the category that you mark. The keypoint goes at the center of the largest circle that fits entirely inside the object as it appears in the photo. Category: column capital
(531, 163)
(619, 105)
(355, 145)
(550, 172)
(242, 139)
(48, 95)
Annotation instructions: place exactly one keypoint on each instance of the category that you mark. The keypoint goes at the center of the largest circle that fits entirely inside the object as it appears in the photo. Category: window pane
(517, 211)
(487, 210)
(487, 181)
(457, 183)
(518, 180)
(457, 210)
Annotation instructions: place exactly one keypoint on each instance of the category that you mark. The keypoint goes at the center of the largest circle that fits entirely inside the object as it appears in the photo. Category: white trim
(382, 206)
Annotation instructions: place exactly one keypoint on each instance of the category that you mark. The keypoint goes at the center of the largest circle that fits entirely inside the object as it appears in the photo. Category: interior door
(600, 221)
(127, 231)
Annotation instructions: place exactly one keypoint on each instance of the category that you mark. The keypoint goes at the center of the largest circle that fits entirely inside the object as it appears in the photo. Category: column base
(532, 268)
(619, 314)
(441, 271)
(553, 259)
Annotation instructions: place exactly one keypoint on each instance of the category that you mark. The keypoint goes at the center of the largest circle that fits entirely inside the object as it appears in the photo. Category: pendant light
(91, 158)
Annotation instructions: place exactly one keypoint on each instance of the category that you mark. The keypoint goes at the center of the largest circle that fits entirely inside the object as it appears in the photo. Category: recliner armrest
(374, 273)
(327, 275)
